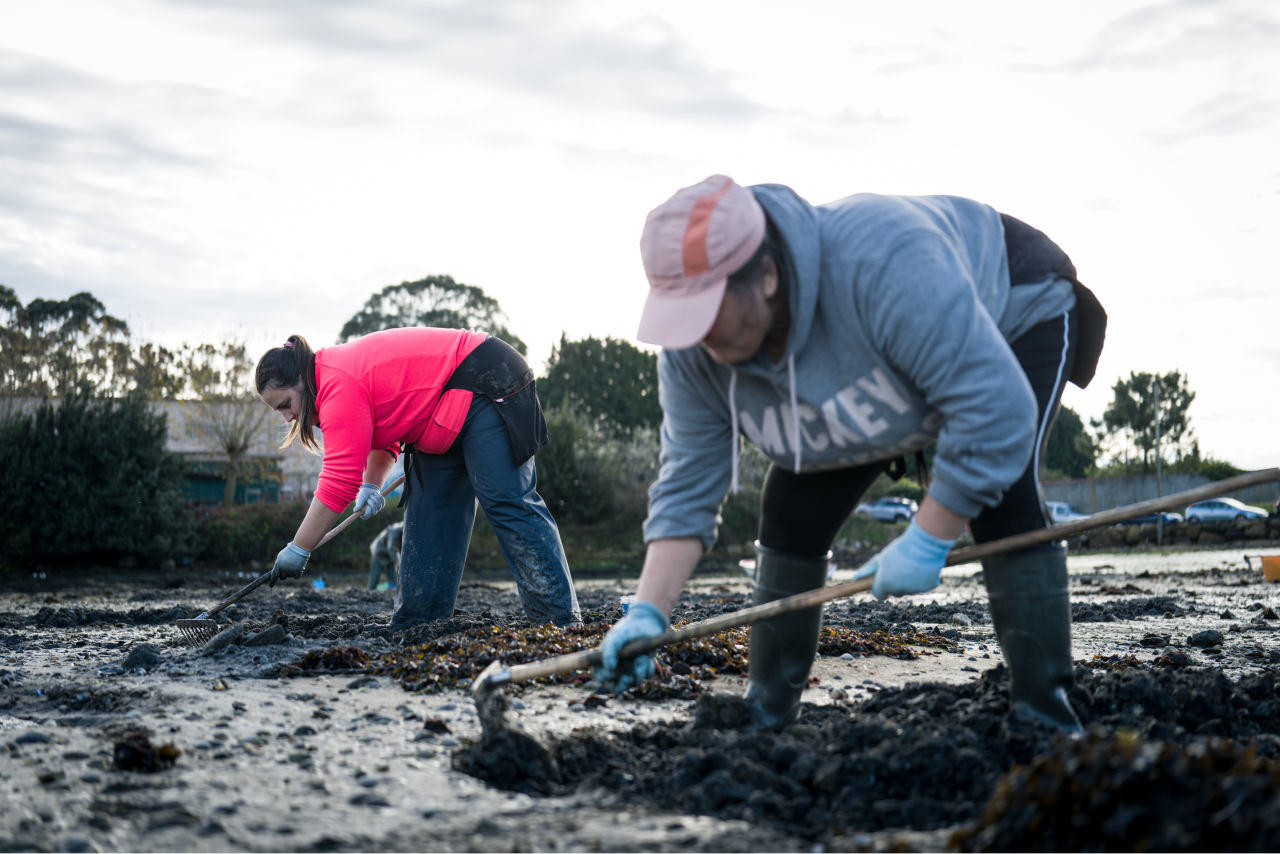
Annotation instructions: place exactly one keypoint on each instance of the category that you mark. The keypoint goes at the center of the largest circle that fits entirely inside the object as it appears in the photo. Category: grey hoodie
(901, 311)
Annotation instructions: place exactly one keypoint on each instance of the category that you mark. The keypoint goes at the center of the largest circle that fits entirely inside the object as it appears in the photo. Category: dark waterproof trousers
(441, 509)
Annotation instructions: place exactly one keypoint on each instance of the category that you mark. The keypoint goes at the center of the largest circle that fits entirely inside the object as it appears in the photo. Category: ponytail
(293, 365)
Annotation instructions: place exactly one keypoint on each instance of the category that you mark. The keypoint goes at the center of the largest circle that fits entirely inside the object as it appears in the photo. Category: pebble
(517, 705)
(959, 619)
(577, 707)
(34, 737)
(1207, 638)
(90, 777)
(273, 634)
(367, 782)
(848, 656)
(448, 741)
(304, 730)
(143, 655)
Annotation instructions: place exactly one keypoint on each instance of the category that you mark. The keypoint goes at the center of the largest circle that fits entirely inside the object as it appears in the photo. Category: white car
(889, 509)
(1063, 512)
(1219, 509)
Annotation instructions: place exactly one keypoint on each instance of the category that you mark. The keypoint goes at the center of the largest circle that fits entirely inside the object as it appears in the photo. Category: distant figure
(384, 555)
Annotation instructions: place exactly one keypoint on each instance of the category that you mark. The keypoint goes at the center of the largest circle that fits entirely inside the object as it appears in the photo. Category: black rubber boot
(782, 649)
(1032, 616)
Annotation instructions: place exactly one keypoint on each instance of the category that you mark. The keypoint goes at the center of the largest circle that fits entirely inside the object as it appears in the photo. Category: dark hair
(291, 366)
(749, 274)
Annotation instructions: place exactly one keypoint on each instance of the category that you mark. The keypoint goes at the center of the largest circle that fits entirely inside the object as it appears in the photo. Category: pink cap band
(691, 244)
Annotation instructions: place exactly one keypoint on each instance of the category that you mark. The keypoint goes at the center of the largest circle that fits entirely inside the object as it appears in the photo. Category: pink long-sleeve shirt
(384, 390)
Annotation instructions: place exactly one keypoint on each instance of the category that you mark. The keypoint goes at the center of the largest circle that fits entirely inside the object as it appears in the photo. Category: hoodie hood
(796, 222)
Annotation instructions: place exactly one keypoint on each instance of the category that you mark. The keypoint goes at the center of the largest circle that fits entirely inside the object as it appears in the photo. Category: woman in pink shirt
(463, 408)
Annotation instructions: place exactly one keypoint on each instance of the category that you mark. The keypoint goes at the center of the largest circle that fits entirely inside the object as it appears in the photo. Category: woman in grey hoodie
(837, 339)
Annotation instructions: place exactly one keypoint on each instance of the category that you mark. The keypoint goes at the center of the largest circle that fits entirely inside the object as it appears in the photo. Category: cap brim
(679, 321)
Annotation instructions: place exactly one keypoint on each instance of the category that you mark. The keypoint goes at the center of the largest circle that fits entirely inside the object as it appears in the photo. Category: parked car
(1150, 519)
(889, 509)
(1061, 512)
(1219, 509)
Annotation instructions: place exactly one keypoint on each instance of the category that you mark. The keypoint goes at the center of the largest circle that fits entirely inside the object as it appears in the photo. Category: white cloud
(542, 49)
(1184, 31)
(1225, 114)
(207, 166)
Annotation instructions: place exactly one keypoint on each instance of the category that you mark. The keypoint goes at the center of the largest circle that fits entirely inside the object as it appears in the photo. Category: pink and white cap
(691, 244)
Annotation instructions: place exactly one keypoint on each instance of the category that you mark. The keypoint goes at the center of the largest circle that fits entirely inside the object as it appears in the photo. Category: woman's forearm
(939, 521)
(378, 467)
(315, 525)
(667, 566)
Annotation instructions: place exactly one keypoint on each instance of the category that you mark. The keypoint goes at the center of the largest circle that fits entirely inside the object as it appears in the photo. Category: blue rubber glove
(369, 500)
(289, 564)
(643, 620)
(910, 564)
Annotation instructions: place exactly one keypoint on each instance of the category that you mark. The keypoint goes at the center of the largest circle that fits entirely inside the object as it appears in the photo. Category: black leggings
(802, 513)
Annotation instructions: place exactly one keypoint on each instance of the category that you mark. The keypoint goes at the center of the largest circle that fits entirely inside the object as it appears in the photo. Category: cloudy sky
(206, 166)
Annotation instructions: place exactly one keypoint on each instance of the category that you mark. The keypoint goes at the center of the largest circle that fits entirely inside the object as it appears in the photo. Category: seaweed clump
(336, 658)
(453, 661)
(925, 757)
(135, 752)
(1117, 792)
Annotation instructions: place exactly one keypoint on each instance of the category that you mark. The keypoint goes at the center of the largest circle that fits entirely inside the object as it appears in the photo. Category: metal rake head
(197, 632)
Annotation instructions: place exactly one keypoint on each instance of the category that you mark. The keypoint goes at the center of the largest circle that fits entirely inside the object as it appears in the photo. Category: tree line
(86, 461)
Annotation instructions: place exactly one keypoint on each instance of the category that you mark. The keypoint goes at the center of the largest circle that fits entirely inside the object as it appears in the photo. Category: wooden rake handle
(1110, 517)
(342, 526)
(812, 598)
(262, 579)
(715, 625)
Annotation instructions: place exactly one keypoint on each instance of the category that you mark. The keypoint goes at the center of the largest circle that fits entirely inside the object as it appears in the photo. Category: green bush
(590, 472)
(91, 478)
(574, 477)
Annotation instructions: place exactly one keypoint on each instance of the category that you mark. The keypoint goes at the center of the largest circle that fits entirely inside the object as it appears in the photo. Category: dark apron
(496, 370)
(1033, 257)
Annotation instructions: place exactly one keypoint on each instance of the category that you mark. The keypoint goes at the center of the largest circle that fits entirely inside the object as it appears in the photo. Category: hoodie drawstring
(733, 413)
(735, 486)
(795, 410)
